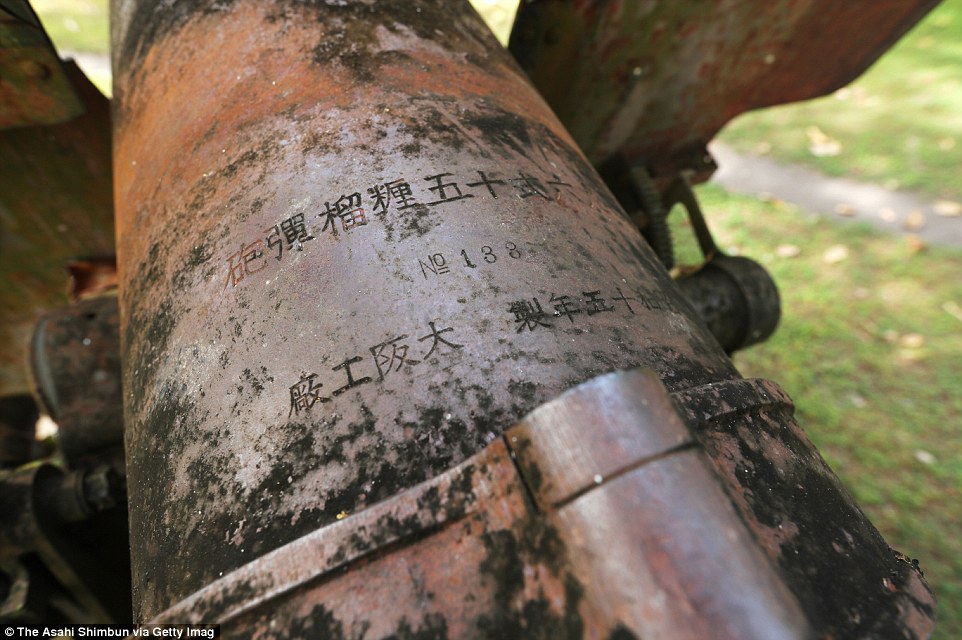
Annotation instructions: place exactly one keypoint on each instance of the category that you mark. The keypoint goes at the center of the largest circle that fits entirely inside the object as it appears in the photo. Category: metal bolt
(103, 488)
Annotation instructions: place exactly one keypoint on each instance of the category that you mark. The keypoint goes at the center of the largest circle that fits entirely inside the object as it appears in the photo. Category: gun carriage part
(56, 197)
(655, 81)
(735, 296)
(58, 539)
(75, 361)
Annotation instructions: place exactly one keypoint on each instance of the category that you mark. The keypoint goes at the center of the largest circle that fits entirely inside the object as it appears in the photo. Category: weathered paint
(34, 88)
(656, 80)
(850, 582)
(55, 207)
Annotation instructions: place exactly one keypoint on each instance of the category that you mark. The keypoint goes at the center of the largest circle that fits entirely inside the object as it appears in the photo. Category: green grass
(871, 352)
(900, 124)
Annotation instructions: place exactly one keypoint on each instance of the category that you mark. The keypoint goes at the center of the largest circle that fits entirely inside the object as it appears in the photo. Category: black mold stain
(533, 618)
(433, 627)
(416, 221)
(321, 623)
(622, 633)
(349, 28)
(837, 562)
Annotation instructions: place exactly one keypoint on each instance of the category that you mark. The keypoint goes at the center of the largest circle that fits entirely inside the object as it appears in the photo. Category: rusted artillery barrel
(355, 247)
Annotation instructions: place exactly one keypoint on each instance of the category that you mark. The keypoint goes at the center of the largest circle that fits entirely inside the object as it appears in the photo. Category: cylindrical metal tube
(737, 299)
(354, 246)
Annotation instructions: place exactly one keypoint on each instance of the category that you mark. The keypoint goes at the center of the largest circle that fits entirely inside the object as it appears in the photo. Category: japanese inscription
(348, 213)
(532, 315)
(386, 358)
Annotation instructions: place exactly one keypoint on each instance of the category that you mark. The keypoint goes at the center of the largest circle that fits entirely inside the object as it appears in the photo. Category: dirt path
(839, 198)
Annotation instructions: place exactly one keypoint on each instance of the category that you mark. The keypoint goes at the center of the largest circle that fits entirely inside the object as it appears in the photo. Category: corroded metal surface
(34, 89)
(469, 555)
(55, 207)
(656, 80)
(850, 583)
(526, 540)
(650, 534)
(42, 506)
(354, 246)
(736, 298)
(18, 420)
(75, 360)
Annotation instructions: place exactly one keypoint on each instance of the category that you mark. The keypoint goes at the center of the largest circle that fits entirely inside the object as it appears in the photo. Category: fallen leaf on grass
(910, 355)
(947, 208)
(787, 251)
(915, 243)
(857, 400)
(821, 144)
(846, 210)
(953, 309)
(888, 215)
(914, 221)
(912, 341)
(835, 254)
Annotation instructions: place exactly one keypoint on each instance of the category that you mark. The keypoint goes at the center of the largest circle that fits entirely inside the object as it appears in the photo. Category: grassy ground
(900, 124)
(870, 346)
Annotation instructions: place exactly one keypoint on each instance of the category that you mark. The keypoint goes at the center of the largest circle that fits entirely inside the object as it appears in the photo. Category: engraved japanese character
(381, 196)
(330, 216)
(446, 191)
(436, 339)
(528, 186)
(305, 394)
(658, 302)
(351, 382)
(594, 304)
(564, 307)
(528, 314)
(390, 352)
(240, 264)
(348, 209)
(556, 181)
(398, 190)
(294, 233)
(621, 296)
(486, 182)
